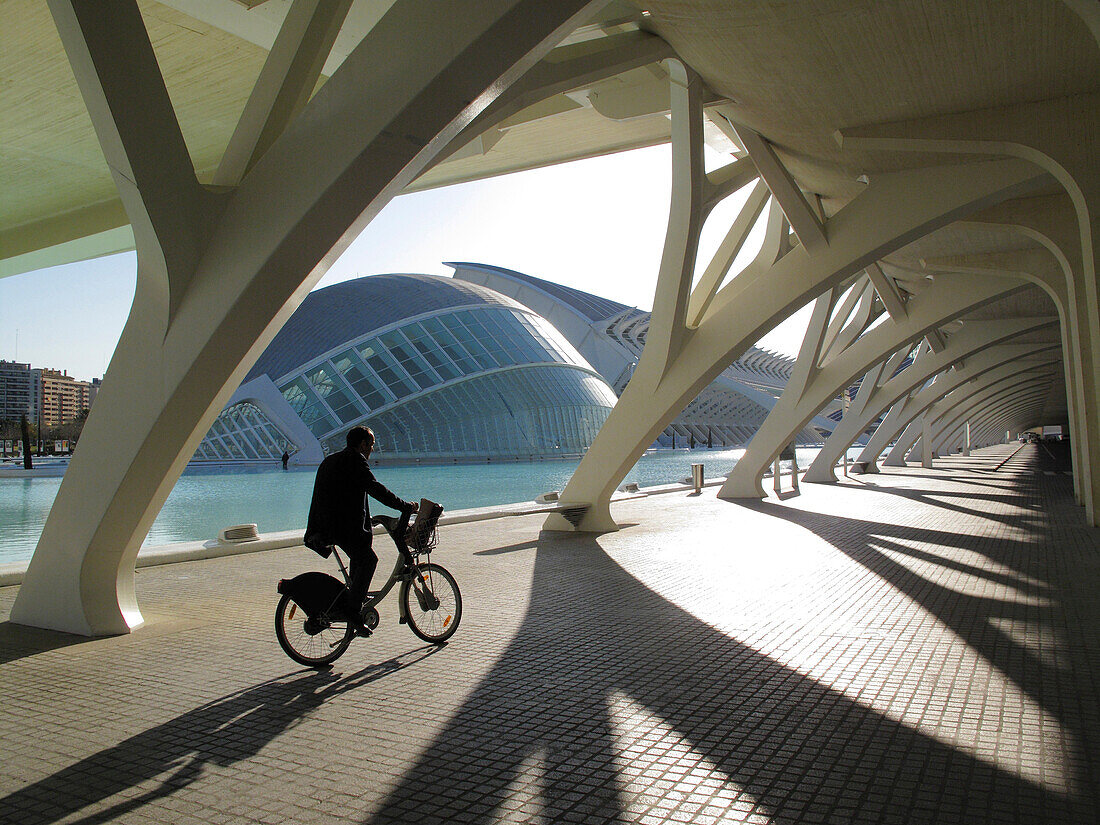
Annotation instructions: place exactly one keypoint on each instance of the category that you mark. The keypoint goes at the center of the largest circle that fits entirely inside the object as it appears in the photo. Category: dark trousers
(363, 563)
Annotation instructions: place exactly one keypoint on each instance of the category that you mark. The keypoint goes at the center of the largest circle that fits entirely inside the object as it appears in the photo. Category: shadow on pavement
(508, 548)
(1045, 639)
(228, 730)
(18, 641)
(602, 660)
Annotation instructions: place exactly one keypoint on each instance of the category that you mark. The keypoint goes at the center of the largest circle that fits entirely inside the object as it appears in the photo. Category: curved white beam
(289, 75)
(944, 300)
(573, 67)
(974, 337)
(1051, 221)
(892, 211)
(978, 409)
(1058, 135)
(239, 268)
(934, 402)
(1006, 358)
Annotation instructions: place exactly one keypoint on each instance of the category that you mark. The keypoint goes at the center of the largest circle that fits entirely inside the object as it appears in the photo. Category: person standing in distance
(339, 513)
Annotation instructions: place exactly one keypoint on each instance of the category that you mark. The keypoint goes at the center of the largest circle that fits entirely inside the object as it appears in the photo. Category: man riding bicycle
(339, 514)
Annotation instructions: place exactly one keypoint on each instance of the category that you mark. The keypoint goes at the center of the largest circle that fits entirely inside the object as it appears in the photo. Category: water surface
(205, 500)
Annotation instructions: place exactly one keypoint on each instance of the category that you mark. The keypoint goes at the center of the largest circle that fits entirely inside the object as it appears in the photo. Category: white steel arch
(220, 271)
(681, 357)
(1003, 362)
(975, 337)
(975, 395)
(823, 376)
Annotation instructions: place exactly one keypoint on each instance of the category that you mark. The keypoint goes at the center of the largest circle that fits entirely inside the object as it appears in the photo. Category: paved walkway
(918, 646)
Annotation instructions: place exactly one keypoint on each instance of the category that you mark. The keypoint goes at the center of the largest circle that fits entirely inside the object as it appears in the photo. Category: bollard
(697, 477)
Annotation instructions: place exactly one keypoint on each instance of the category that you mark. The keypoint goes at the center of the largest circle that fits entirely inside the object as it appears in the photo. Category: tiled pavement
(917, 646)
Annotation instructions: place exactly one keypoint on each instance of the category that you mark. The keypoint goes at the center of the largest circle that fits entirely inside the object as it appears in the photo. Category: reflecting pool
(205, 500)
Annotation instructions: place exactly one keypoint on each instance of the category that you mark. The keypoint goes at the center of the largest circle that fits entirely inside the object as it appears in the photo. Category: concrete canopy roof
(242, 188)
(795, 73)
(58, 190)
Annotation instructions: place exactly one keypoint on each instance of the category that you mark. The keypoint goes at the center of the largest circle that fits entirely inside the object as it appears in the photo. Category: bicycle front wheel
(309, 642)
(432, 603)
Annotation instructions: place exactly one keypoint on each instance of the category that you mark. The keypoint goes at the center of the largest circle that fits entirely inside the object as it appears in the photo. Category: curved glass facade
(482, 377)
(378, 370)
(242, 433)
(526, 412)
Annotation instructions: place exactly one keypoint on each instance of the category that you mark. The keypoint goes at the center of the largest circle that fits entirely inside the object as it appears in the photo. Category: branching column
(1060, 136)
(975, 337)
(219, 273)
(724, 318)
(821, 373)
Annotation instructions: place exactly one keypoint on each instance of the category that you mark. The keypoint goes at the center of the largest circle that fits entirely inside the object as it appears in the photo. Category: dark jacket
(339, 512)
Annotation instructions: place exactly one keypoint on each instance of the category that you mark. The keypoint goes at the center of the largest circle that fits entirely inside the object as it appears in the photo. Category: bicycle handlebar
(396, 527)
(388, 523)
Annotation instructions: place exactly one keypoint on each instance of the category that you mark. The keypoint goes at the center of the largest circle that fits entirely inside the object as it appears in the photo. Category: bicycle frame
(404, 570)
(325, 598)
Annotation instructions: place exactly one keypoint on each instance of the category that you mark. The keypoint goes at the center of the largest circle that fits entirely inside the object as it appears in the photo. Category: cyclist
(339, 513)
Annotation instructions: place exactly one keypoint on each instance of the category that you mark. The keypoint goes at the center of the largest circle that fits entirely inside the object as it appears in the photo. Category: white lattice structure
(914, 171)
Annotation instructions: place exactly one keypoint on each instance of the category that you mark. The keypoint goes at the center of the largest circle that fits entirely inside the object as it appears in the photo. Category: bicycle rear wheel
(432, 603)
(309, 642)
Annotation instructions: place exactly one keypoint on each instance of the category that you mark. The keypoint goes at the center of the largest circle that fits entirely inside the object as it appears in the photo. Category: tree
(69, 430)
(26, 427)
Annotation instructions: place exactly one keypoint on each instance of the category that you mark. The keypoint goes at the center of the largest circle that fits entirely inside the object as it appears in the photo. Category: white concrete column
(615, 449)
(954, 390)
(219, 274)
(995, 402)
(943, 300)
(893, 210)
(928, 448)
(975, 337)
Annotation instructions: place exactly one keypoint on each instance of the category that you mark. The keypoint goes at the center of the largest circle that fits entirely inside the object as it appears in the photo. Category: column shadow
(615, 695)
(1058, 598)
(228, 730)
(18, 641)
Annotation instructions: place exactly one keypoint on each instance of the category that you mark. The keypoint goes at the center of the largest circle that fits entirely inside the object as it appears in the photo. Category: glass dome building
(439, 368)
(611, 336)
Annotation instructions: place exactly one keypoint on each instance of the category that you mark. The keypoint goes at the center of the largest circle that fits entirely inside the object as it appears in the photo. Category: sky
(596, 224)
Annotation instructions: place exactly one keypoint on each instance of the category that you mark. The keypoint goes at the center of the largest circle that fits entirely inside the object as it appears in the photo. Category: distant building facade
(62, 397)
(439, 368)
(20, 391)
(487, 364)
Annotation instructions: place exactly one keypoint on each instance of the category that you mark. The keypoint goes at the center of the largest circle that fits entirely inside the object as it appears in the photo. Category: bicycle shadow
(606, 678)
(231, 729)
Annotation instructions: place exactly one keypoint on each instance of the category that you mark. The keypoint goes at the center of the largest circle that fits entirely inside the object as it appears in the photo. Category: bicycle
(311, 617)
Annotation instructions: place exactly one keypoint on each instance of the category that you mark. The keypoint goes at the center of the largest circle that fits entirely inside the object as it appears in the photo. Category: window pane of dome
(386, 369)
(431, 352)
(369, 389)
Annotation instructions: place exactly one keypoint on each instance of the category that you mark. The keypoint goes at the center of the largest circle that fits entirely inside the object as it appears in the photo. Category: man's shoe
(359, 628)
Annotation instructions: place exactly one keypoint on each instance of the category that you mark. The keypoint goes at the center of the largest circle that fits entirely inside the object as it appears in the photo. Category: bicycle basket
(421, 536)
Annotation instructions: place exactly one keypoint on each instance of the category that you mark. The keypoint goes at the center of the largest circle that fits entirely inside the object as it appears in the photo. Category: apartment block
(20, 391)
(63, 397)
